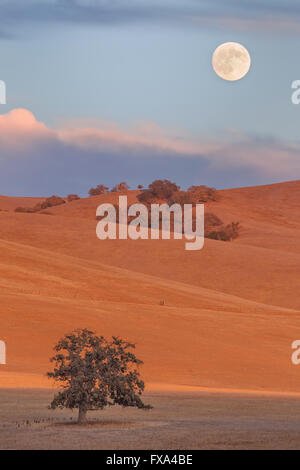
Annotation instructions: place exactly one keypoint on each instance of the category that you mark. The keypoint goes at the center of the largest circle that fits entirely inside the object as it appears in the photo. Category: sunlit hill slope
(230, 313)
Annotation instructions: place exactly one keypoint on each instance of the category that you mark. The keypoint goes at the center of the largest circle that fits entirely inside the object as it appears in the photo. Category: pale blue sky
(151, 61)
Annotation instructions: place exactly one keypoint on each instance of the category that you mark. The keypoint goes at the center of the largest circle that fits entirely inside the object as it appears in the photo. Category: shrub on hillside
(211, 220)
(181, 197)
(100, 189)
(120, 188)
(48, 202)
(163, 189)
(158, 190)
(24, 209)
(203, 193)
(146, 197)
(72, 197)
(227, 233)
(212, 223)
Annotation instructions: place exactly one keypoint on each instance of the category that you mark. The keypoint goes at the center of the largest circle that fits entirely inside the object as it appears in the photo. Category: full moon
(231, 61)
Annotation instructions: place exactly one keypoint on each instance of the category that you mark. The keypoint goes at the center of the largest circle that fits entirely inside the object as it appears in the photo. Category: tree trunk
(82, 415)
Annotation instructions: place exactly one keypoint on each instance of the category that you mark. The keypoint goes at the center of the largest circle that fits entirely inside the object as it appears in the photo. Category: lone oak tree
(94, 372)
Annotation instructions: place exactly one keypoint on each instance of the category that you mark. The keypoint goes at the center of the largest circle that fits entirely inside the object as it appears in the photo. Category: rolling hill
(230, 313)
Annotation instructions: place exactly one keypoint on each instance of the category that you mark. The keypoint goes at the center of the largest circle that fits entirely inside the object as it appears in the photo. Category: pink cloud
(20, 130)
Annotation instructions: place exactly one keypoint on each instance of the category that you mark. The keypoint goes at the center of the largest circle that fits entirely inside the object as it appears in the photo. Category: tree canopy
(94, 372)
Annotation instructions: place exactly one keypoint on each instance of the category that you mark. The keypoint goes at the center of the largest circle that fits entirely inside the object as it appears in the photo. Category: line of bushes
(48, 202)
(159, 191)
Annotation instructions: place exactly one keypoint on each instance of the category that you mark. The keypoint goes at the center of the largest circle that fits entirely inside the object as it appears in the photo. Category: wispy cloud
(21, 134)
(233, 14)
(37, 160)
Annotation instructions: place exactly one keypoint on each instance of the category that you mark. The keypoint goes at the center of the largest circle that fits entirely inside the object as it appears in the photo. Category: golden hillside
(230, 312)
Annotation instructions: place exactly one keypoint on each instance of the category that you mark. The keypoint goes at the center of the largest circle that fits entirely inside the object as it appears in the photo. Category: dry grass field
(186, 420)
(230, 313)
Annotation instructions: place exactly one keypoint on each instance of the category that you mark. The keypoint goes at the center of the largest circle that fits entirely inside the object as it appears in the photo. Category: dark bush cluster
(72, 197)
(100, 189)
(215, 228)
(211, 221)
(165, 190)
(159, 190)
(202, 193)
(120, 188)
(24, 209)
(48, 202)
(225, 233)
(181, 197)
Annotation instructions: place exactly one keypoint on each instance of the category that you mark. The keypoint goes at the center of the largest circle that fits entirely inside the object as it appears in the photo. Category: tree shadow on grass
(96, 423)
